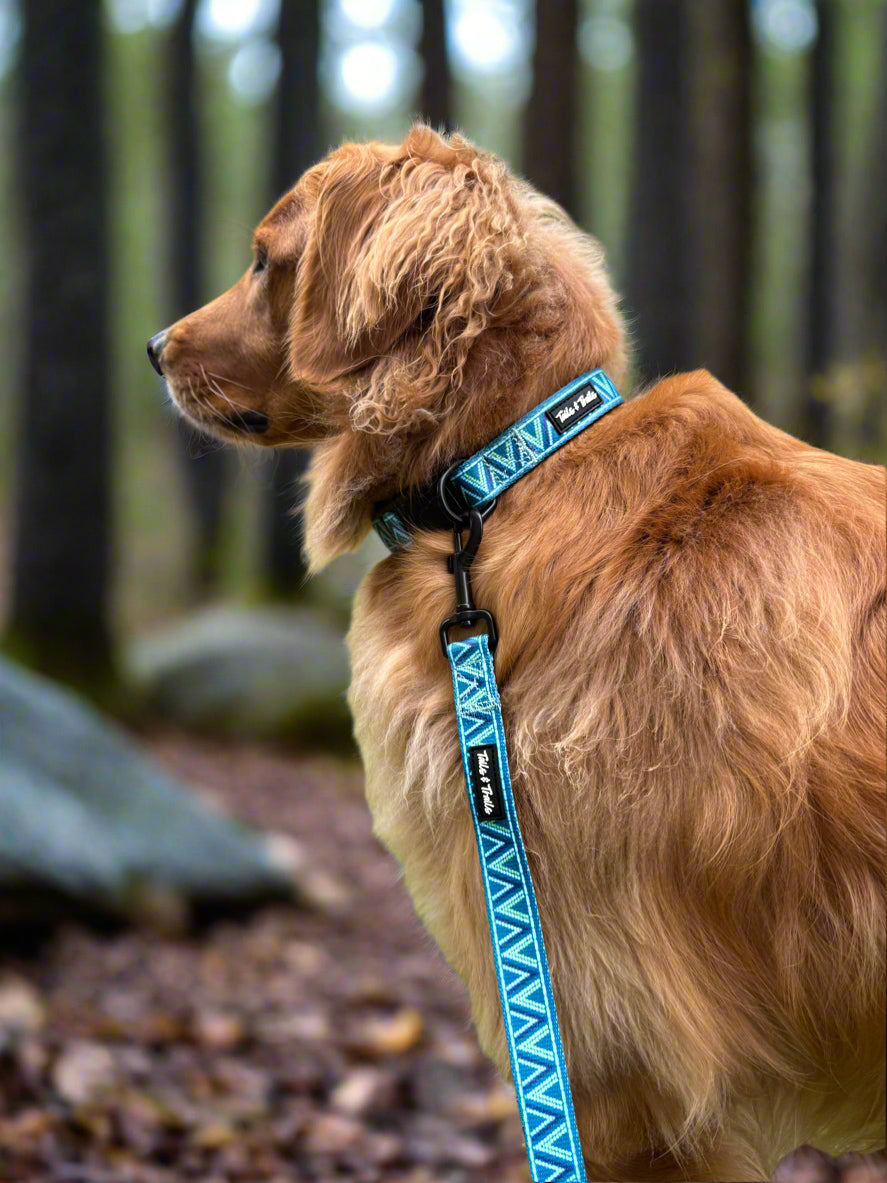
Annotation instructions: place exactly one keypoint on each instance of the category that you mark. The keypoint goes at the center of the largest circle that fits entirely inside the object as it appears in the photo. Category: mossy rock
(85, 816)
(247, 672)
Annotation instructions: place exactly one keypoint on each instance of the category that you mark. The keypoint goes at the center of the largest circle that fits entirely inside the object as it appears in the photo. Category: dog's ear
(408, 253)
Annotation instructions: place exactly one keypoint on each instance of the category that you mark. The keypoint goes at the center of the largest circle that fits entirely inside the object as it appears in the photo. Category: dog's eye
(261, 262)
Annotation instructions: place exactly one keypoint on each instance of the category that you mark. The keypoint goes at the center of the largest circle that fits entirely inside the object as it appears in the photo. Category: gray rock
(83, 813)
(335, 586)
(259, 672)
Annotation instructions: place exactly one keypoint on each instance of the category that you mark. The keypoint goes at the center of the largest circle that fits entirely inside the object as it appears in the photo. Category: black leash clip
(460, 560)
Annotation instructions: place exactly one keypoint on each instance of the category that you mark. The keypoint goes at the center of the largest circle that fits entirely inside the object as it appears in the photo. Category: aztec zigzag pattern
(538, 1069)
(528, 441)
(499, 465)
(392, 531)
(512, 454)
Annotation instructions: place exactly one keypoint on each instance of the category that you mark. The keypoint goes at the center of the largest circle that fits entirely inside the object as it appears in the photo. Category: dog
(691, 666)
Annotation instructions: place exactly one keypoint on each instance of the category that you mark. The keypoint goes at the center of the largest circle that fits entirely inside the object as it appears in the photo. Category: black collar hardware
(458, 563)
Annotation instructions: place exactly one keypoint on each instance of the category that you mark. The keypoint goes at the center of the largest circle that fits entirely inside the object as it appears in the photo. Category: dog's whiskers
(214, 386)
(200, 442)
(221, 377)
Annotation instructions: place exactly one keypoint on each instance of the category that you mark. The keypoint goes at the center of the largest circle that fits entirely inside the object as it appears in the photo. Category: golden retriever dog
(691, 665)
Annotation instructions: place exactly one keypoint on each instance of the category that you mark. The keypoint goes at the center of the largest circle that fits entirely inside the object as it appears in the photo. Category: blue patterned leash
(531, 1027)
(465, 495)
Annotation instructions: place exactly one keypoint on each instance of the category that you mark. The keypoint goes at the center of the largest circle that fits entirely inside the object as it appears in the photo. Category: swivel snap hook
(458, 563)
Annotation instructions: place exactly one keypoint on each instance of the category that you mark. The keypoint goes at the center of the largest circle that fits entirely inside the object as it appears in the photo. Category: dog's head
(403, 306)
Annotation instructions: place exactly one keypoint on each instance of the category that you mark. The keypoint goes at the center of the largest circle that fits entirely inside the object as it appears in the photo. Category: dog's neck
(510, 373)
(476, 482)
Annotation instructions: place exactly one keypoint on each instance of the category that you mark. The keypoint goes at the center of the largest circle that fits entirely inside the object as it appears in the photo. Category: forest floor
(292, 1043)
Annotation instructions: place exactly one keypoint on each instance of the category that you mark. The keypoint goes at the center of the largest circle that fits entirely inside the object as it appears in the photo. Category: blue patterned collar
(479, 480)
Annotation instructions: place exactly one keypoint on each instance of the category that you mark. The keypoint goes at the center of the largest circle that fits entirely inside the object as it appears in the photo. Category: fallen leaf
(84, 1072)
(308, 1024)
(329, 1132)
(393, 1035)
(213, 1136)
(219, 1029)
(364, 1090)
(21, 1009)
(304, 958)
(27, 1126)
(474, 1109)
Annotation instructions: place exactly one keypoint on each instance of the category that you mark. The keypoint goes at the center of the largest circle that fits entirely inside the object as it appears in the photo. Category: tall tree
(297, 145)
(876, 270)
(550, 115)
(658, 286)
(205, 467)
(872, 333)
(722, 183)
(436, 76)
(58, 617)
(823, 228)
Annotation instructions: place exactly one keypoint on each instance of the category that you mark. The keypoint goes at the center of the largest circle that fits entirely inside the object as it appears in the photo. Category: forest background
(731, 157)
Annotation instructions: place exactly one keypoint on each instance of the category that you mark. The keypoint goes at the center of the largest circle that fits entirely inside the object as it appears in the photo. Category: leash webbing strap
(538, 1068)
(531, 1027)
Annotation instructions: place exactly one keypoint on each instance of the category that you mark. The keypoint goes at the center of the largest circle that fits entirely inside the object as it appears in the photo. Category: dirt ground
(327, 1041)
(320, 1043)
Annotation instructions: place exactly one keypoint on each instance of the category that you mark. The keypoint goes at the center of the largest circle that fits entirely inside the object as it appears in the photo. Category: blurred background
(157, 630)
(730, 157)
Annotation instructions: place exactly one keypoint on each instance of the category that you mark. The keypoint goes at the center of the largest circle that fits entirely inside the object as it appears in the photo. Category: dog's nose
(155, 348)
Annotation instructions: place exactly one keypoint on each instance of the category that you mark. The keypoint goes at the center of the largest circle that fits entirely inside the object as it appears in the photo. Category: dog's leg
(808, 1165)
(863, 1168)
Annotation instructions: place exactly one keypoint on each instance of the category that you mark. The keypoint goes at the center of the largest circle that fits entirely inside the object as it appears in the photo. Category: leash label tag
(487, 783)
(573, 408)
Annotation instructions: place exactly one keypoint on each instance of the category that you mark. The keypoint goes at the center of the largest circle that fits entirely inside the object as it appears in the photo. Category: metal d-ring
(459, 518)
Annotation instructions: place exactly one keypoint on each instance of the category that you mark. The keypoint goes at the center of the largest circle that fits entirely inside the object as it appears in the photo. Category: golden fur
(691, 667)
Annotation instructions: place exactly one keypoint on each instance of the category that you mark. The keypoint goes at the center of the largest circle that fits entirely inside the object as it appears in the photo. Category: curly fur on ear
(422, 245)
(445, 242)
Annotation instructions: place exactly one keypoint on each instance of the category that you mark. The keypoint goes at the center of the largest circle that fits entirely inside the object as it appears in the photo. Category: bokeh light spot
(787, 25)
(368, 75)
(132, 16)
(368, 14)
(488, 37)
(254, 70)
(606, 42)
(234, 20)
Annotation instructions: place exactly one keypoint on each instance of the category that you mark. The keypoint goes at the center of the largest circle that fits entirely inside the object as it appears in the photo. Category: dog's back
(721, 587)
(691, 666)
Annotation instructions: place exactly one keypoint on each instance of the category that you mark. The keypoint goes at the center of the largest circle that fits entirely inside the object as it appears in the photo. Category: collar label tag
(573, 408)
(486, 783)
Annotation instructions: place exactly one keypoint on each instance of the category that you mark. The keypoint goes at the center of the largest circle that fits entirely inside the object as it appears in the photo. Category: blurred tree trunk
(204, 467)
(296, 146)
(874, 265)
(58, 619)
(816, 414)
(550, 117)
(436, 78)
(722, 188)
(659, 261)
